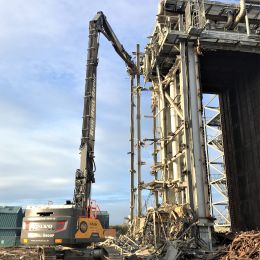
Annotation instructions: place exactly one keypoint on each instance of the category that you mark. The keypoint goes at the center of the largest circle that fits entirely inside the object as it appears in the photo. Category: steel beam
(138, 126)
(200, 195)
(132, 153)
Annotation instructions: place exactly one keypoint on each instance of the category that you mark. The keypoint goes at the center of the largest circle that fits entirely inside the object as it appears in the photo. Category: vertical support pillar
(162, 118)
(247, 24)
(132, 155)
(154, 229)
(138, 126)
(176, 142)
(185, 107)
(154, 106)
(199, 173)
(184, 90)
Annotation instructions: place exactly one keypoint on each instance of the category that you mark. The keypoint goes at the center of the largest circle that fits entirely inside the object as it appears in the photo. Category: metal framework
(183, 174)
(217, 178)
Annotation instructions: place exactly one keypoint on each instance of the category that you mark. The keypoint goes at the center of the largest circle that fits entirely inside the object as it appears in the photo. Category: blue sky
(42, 72)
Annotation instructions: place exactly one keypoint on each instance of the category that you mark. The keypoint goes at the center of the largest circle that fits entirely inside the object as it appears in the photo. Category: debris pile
(163, 224)
(169, 232)
(18, 253)
(124, 244)
(245, 245)
(166, 230)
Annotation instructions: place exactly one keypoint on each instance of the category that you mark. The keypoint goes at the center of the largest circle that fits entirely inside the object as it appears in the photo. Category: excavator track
(66, 253)
(46, 253)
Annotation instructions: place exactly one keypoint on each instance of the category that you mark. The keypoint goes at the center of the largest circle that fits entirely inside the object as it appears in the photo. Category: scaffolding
(217, 178)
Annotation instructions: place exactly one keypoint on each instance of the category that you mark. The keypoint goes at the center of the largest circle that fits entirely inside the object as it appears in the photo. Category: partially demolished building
(205, 174)
(199, 48)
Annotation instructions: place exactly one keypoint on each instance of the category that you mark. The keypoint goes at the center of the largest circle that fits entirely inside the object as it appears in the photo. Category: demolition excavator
(67, 231)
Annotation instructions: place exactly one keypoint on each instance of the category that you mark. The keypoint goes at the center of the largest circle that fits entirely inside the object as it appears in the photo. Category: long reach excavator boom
(85, 175)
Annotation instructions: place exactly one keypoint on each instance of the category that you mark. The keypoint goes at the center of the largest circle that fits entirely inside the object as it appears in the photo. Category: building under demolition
(203, 66)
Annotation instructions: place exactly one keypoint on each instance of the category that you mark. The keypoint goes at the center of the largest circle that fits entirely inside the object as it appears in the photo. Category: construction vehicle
(66, 231)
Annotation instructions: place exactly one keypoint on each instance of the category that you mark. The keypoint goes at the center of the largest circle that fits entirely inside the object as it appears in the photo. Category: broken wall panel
(235, 76)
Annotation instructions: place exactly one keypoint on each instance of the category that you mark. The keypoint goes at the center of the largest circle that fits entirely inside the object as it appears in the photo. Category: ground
(31, 254)
(18, 253)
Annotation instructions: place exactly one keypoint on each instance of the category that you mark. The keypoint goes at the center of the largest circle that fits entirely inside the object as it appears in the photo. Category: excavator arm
(85, 175)
(65, 230)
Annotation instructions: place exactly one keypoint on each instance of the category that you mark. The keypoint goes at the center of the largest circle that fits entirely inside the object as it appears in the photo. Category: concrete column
(175, 143)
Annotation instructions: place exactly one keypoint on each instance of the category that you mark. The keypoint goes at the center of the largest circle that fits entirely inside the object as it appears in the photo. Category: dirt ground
(18, 253)
(31, 254)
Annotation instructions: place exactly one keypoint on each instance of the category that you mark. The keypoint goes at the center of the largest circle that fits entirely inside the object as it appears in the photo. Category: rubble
(246, 245)
(168, 222)
(167, 232)
(174, 237)
(21, 253)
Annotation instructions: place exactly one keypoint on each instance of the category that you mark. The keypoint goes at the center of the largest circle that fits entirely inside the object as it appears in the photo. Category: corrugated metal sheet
(9, 238)
(10, 225)
(9, 209)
